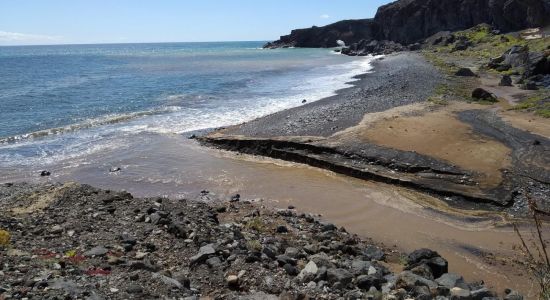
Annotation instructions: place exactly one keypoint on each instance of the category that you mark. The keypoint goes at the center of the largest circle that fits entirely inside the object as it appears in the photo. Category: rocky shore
(72, 241)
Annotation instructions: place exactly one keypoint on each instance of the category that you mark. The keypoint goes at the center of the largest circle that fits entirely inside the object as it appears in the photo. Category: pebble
(232, 280)
(96, 251)
(57, 229)
(282, 229)
(203, 254)
(134, 289)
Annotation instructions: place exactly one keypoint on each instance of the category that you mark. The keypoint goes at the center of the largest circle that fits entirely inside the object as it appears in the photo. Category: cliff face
(349, 31)
(409, 21)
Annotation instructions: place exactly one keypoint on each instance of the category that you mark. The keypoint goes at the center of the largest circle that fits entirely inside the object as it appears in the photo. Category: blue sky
(124, 21)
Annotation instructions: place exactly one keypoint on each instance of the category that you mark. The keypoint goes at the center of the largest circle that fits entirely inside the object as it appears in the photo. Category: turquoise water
(62, 102)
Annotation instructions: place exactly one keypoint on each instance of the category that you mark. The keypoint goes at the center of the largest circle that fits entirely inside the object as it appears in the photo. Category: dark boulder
(341, 276)
(465, 72)
(374, 47)
(481, 94)
(495, 62)
(290, 269)
(203, 254)
(506, 80)
(443, 38)
(529, 86)
(365, 282)
(282, 229)
(461, 45)
(451, 280)
(373, 253)
(284, 259)
(517, 56)
(534, 67)
(538, 63)
(430, 258)
(419, 255)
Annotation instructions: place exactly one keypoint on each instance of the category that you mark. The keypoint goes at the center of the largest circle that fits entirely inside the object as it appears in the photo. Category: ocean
(65, 103)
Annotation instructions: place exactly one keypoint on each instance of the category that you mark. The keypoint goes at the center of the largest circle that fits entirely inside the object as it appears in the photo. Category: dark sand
(398, 80)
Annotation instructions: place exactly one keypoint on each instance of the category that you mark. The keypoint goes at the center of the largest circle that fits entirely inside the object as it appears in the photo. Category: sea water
(65, 102)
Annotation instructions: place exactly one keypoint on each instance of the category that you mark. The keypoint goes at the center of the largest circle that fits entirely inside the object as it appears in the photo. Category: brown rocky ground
(74, 241)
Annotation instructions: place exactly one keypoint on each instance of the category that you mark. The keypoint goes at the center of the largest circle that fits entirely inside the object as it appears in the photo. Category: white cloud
(324, 16)
(16, 38)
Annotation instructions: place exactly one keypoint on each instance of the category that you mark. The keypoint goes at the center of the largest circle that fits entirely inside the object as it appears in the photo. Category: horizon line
(127, 43)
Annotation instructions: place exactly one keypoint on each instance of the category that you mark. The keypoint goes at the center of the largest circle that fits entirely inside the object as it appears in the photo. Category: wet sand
(528, 122)
(439, 134)
(176, 167)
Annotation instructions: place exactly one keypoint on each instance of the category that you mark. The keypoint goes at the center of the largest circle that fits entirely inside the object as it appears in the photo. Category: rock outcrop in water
(409, 21)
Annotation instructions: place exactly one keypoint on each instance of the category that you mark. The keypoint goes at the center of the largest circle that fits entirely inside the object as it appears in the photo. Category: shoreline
(329, 115)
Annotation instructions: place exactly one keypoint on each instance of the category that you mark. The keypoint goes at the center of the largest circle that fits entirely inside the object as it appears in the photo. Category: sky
(39, 22)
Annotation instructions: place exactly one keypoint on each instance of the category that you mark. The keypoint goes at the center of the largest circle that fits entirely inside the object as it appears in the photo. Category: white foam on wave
(116, 131)
(311, 89)
(94, 122)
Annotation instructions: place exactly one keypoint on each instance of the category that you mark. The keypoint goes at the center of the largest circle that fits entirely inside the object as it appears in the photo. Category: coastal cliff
(349, 31)
(409, 21)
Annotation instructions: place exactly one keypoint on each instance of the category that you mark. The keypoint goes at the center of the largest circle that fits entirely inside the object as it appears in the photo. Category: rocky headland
(411, 21)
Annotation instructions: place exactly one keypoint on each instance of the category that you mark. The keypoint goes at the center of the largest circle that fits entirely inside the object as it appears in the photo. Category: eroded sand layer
(439, 134)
